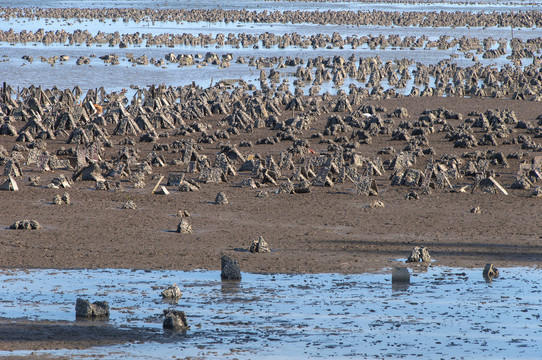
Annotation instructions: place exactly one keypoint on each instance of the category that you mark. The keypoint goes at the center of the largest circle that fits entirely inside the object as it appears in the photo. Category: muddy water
(444, 313)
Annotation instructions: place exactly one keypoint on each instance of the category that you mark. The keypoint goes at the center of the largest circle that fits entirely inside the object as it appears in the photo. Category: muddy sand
(330, 229)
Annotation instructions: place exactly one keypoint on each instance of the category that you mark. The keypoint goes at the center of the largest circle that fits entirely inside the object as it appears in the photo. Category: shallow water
(444, 313)
(20, 73)
(261, 5)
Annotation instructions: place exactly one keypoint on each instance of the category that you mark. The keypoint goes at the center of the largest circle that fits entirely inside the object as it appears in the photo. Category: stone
(129, 205)
(412, 196)
(419, 254)
(377, 204)
(183, 213)
(476, 210)
(184, 227)
(537, 192)
(57, 200)
(230, 269)
(221, 198)
(175, 320)
(259, 246)
(400, 275)
(286, 187)
(490, 272)
(98, 309)
(34, 180)
(9, 185)
(60, 182)
(172, 292)
(65, 199)
(25, 225)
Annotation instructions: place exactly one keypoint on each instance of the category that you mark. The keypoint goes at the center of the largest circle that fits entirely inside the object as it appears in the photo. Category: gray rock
(286, 187)
(98, 309)
(25, 225)
(184, 227)
(130, 205)
(412, 196)
(172, 292)
(175, 320)
(230, 269)
(65, 199)
(400, 275)
(221, 198)
(419, 254)
(259, 246)
(57, 200)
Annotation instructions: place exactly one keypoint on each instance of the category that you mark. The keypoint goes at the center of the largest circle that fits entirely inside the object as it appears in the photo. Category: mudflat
(330, 229)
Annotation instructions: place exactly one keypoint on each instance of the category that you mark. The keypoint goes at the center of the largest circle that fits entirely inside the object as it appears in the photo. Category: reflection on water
(444, 313)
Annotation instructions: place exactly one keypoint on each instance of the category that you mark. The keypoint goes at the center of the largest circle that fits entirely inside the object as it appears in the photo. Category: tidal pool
(449, 313)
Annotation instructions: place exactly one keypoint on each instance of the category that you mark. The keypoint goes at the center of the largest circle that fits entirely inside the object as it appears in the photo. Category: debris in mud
(183, 213)
(25, 225)
(413, 195)
(98, 309)
(60, 200)
(9, 185)
(230, 269)
(129, 205)
(259, 246)
(184, 227)
(34, 180)
(419, 254)
(175, 320)
(172, 292)
(221, 198)
(59, 182)
(490, 272)
(377, 204)
(476, 210)
(537, 192)
(400, 275)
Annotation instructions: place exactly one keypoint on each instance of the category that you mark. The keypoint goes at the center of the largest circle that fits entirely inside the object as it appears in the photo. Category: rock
(400, 275)
(537, 192)
(376, 204)
(98, 309)
(490, 272)
(57, 200)
(221, 198)
(419, 254)
(259, 246)
(129, 205)
(412, 196)
(172, 292)
(286, 187)
(9, 185)
(230, 269)
(60, 182)
(65, 199)
(183, 213)
(25, 225)
(34, 180)
(184, 227)
(175, 320)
